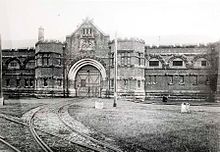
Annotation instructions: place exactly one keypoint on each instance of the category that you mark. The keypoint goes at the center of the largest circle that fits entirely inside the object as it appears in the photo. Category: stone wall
(193, 79)
(49, 69)
(18, 72)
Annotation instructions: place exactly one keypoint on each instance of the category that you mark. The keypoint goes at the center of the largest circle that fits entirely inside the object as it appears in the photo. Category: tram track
(36, 137)
(79, 142)
(102, 146)
(9, 145)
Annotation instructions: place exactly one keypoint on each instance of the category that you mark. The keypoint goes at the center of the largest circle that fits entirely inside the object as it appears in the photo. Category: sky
(155, 21)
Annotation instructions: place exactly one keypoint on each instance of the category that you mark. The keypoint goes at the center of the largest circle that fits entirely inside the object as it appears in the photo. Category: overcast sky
(175, 21)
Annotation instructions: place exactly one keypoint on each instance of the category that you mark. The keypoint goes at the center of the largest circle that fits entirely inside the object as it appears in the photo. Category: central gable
(87, 39)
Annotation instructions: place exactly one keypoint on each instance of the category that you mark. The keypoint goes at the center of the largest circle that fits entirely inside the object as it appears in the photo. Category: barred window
(181, 79)
(177, 63)
(203, 63)
(125, 82)
(154, 63)
(139, 83)
(45, 82)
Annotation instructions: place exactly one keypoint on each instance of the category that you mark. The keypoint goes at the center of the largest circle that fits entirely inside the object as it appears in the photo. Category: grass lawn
(156, 128)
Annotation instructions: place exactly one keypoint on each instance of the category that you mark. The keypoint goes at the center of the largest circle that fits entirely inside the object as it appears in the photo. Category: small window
(7, 82)
(18, 82)
(59, 61)
(181, 79)
(45, 82)
(129, 61)
(177, 63)
(112, 82)
(59, 82)
(154, 63)
(125, 82)
(83, 82)
(203, 63)
(170, 79)
(139, 83)
(31, 82)
(195, 80)
(26, 82)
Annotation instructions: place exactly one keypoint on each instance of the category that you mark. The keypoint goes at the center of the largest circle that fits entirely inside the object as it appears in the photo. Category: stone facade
(83, 66)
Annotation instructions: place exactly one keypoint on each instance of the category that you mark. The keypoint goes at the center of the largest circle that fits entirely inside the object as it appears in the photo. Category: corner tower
(130, 68)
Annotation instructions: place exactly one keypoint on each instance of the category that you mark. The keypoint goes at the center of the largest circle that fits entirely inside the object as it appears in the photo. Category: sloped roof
(88, 21)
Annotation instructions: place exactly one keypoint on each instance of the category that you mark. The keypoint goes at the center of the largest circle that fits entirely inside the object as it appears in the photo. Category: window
(122, 60)
(26, 82)
(7, 82)
(30, 64)
(59, 61)
(45, 59)
(13, 65)
(154, 63)
(112, 82)
(125, 82)
(18, 82)
(195, 80)
(207, 80)
(31, 82)
(139, 83)
(87, 31)
(203, 63)
(129, 61)
(59, 82)
(170, 79)
(112, 59)
(83, 82)
(177, 63)
(139, 59)
(45, 82)
(181, 79)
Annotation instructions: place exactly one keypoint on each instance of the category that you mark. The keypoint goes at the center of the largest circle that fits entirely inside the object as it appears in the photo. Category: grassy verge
(138, 127)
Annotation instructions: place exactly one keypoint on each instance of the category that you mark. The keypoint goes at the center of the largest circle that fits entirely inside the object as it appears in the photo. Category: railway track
(80, 142)
(76, 143)
(36, 137)
(101, 146)
(10, 146)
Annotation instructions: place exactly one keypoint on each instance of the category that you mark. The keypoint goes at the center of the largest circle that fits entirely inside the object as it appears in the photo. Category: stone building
(83, 66)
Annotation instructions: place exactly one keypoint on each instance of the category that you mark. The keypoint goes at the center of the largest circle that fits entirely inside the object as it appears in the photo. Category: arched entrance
(88, 82)
(86, 78)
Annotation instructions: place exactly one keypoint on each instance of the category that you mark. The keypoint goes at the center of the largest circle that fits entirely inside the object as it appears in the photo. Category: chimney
(41, 34)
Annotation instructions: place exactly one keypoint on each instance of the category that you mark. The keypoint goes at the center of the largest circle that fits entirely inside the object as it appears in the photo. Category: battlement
(49, 42)
(176, 46)
(19, 49)
(132, 39)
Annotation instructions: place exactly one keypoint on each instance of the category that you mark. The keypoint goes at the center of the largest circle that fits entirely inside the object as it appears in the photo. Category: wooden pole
(115, 72)
(1, 92)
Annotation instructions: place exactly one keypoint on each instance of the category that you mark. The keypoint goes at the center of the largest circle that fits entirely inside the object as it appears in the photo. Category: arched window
(14, 64)
(30, 64)
(154, 63)
(201, 63)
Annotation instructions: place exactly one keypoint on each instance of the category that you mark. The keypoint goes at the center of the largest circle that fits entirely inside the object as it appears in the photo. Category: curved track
(37, 138)
(100, 146)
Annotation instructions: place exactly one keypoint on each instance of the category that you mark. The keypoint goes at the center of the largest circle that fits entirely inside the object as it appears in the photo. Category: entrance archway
(86, 78)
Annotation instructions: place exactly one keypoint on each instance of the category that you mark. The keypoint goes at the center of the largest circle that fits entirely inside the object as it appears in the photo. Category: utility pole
(115, 71)
(1, 92)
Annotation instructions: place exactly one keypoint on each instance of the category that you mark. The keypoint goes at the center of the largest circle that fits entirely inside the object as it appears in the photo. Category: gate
(88, 82)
